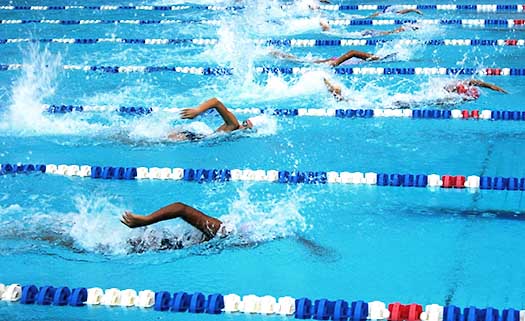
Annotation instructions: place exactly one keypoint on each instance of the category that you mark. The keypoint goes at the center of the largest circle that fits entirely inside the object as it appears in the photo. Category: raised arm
(373, 15)
(351, 54)
(206, 224)
(333, 89)
(480, 83)
(324, 25)
(230, 121)
(405, 11)
(285, 56)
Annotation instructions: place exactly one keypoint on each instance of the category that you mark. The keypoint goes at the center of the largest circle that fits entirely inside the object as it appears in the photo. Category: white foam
(259, 221)
(36, 83)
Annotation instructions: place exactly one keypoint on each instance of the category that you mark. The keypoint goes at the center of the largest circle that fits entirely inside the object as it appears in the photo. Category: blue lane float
(223, 175)
(303, 308)
(352, 7)
(226, 71)
(345, 22)
(350, 42)
(500, 115)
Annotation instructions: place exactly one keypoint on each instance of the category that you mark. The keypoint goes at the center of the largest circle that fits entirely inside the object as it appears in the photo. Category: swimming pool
(335, 241)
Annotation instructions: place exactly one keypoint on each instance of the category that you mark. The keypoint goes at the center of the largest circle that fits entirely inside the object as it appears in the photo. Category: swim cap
(460, 88)
(472, 92)
(258, 121)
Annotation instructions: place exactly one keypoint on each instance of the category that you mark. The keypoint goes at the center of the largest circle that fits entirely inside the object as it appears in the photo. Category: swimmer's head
(470, 92)
(262, 124)
(246, 124)
(254, 122)
(460, 89)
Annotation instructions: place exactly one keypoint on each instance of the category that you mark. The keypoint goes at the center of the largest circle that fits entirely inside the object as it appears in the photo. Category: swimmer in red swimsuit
(467, 89)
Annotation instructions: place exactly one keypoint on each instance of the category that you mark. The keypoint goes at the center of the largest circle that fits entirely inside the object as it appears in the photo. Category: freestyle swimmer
(209, 226)
(394, 10)
(230, 121)
(351, 57)
(376, 33)
(466, 89)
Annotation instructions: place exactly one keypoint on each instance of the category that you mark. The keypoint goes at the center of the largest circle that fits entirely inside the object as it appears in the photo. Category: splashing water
(429, 93)
(95, 227)
(400, 51)
(36, 83)
(260, 221)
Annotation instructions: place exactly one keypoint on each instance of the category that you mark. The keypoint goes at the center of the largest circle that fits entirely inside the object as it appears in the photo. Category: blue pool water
(355, 242)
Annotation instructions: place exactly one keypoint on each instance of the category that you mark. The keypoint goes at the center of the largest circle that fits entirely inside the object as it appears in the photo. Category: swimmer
(466, 89)
(230, 121)
(351, 57)
(394, 10)
(207, 225)
(377, 33)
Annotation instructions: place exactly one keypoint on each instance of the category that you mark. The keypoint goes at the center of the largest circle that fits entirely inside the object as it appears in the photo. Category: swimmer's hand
(132, 220)
(324, 25)
(189, 113)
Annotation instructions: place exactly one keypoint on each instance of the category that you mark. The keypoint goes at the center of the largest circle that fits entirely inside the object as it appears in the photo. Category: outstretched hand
(132, 220)
(189, 113)
(499, 89)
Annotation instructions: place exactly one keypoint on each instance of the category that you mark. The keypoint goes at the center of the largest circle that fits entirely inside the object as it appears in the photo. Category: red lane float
(448, 181)
(401, 312)
(493, 71)
(459, 181)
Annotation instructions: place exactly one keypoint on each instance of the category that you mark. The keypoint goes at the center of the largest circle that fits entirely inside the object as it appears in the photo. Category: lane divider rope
(448, 7)
(341, 22)
(201, 175)
(274, 42)
(301, 308)
(224, 71)
(474, 114)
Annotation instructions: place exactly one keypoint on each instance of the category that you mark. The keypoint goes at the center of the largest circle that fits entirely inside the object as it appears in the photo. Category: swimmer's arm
(206, 224)
(480, 83)
(373, 15)
(405, 11)
(324, 25)
(354, 53)
(333, 89)
(229, 118)
(397, 30)
(284, 55)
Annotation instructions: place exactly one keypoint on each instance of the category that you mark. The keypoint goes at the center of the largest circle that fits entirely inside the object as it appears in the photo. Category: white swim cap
(258, 121)
(264, 124)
